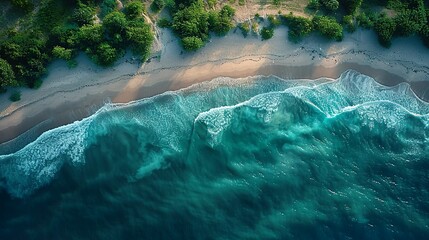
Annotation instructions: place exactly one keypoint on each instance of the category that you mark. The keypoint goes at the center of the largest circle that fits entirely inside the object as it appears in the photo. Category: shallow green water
(256, 158)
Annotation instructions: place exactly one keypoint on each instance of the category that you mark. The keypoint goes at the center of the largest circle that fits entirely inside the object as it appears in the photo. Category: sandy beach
(68, 95)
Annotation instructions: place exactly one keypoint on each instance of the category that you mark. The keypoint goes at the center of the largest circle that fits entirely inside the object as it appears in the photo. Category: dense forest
(105, 29)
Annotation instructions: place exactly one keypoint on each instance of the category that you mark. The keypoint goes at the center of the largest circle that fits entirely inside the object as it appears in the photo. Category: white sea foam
(37, 163)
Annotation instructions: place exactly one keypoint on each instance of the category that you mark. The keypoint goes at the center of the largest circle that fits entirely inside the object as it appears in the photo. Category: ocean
(251, 158)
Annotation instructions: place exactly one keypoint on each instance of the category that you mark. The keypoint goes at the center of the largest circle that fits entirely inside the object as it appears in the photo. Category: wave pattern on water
(255, 158)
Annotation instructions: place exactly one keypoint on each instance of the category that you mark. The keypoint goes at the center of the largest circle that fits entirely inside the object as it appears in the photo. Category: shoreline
(68, 95)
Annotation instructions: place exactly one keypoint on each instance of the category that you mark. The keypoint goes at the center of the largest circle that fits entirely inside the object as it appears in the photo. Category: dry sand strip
(68, 95)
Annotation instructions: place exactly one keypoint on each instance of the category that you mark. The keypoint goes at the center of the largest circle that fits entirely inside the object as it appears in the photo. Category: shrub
(140, 37)
(364, 21)
(107, 6)
(62, 53)
(83, 14)
(221, 22)
(385, 27)
(211, 3)
(313, 4)
(192, 43)
(164, 23)
(245, 28)
(348, 21)
(38, 83)
(330, 5)
(274, 21)
(25, 5)
(7, 76)
(134, 9)
(424, 34)
(409, 22)
(255, 27)
(299, 27)
(105, 54)
(267, 33)
(351, 6)
(191, 22)
(115, 22)
(328, 27)
(90, 36)
(157, 5)
(71, 63)
(15, 96)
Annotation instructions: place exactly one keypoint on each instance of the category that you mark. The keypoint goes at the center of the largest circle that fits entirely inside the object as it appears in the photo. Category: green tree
(299, 27)
(274, 21)
(351, 6)
(313, 4)
(27, 53)
(211, 3)
(385, 27)
(328, 27)
(7, 76)
(62, 53)
(105, 54)
(15, 96)
(245, 28)
(267, 33)
(410, 21)
(115, 23)
(349, 22)
(83, 14)
(134, 9)
(157, 5)
(107, 6)
(227, 11)
(331, 5)
(221, 22)
(164, 23)
(65, 36)
(13, 51)
(364, 21)
(425, 36)
(140, 38)
(90, 36)
(26, 5)
(192, 43)
(192, 22)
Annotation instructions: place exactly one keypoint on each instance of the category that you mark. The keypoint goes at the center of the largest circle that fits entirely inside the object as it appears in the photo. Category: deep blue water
(254, 158)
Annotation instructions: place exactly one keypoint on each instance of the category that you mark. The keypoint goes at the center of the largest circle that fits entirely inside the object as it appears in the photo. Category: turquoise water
(254, 158)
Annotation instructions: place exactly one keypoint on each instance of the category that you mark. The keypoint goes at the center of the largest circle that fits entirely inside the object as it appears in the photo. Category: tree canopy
(7, 76)
(267, 33)
(328, 27)
(134, 9)
(385, 27)
(299, 27)
(191, 21)
(194, 22)
(192, 43)
(61, 28)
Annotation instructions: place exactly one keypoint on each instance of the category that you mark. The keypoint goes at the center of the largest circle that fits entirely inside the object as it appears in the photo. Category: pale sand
(71, 94)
